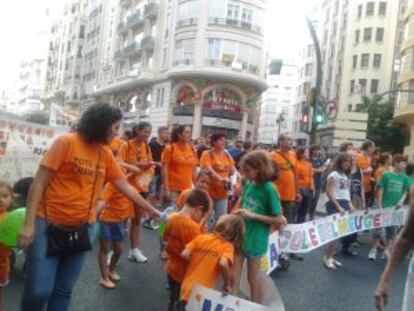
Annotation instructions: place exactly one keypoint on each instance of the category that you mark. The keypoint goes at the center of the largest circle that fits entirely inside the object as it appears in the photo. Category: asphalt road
(306, 286)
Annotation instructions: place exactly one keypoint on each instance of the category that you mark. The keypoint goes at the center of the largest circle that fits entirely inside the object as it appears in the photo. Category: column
(243, 126)
(197, 119)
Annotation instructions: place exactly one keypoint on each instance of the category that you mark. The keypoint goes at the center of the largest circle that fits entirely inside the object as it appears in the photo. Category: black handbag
(70, 240)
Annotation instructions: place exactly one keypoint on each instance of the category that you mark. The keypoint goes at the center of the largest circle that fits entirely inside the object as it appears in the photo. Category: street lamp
(279, 120)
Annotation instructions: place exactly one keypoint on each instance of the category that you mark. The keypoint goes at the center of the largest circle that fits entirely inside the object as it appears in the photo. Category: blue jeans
(50, 280)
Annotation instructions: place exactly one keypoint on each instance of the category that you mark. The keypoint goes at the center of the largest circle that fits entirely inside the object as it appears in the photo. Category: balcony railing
(234, 23)
(151, 10)
(135, 21)
(130, 50)
(186, 22)
(186, 61)
(148, 43)
(234, 66)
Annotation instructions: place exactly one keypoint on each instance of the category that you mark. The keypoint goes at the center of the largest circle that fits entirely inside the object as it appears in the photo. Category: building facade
(356, 36)
(404, 110)
(195, 62)
(278, 101)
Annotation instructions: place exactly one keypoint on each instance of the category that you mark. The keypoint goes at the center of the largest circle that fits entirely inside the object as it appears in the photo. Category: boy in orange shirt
(181, 229)
(211, 255)
(202, 182)
(116, 210)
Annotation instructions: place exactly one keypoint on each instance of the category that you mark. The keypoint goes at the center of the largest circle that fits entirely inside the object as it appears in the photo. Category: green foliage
(388, 135)
(39, 117)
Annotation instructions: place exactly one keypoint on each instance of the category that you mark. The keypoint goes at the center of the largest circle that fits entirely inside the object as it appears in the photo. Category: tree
(388, 135)
(39, 117)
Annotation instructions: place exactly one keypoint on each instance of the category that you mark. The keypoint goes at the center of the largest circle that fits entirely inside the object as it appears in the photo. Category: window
(359, 11)
(382, 11)
(213, 48)
(370, 8)
(352, 86)
(349, 107)
(377, 61)
(363, 85)
(247, 16)
(308, 69)
(354, 61)
(367, 34)
(357, 36)
(374, 86)
(233, 12)
(364, 60)
(380, 35)
(184, 51)
(187, 10)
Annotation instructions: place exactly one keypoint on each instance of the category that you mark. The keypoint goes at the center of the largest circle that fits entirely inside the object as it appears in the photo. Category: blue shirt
(234, 152)
(317, 177)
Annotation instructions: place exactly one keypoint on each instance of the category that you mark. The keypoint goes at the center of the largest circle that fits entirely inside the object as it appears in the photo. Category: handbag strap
(285, 158)
(93, 190)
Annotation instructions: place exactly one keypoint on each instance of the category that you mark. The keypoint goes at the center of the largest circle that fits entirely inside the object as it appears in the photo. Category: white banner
(308, 236)
(22, 145)
(62, 117)
(204, 299)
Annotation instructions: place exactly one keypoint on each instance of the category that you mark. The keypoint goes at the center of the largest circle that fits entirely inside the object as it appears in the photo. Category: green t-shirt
(393, 186)
(261, 199)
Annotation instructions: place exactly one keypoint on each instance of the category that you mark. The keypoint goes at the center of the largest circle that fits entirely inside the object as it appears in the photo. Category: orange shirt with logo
(363, 162)
(180, 231)
(181, 160)
(285, 184)
(203, 267)
(80, 171)
(133, 153)
(223, 165)
(118, 207)
(304, 171)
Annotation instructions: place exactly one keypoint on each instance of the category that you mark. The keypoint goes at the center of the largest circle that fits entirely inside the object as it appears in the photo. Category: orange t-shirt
(363, 162)
(80, 171)
(132, 153)
(118, 207)
(181, 160)
(180, 231)
(379, 171)
(285, 184)
(223, 165)
(305, 174)
(182, 197)
(115, 145)
(203, 267)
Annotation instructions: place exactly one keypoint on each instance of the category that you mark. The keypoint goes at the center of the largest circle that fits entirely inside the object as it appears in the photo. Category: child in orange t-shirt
(181, 229)
(202, 182)
(211, 255)
(116, 210)
(6, 200)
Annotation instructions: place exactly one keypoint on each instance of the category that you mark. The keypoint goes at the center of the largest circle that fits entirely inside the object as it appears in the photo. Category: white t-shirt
(342, 186)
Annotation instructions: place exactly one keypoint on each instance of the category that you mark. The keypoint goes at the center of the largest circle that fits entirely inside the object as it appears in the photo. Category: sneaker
(137, 256)
(329, 263)
(372, 254)
(386, 254)
(114, 276)
(337, 263)
(108, 284)
(109, 257)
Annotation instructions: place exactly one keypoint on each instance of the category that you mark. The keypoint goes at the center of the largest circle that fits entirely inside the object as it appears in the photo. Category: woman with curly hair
(62, 207)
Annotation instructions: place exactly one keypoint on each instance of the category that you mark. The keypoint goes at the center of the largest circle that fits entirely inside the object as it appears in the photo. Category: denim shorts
(114, 231)
(331, 208)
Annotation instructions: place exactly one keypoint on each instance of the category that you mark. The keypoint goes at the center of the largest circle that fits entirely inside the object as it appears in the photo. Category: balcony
(404, 113)
(148, 43)
(135, 21)
(235, 24)
(122, 28)
(130, 50)
(151, 10)
(186, 22)
(234, 66)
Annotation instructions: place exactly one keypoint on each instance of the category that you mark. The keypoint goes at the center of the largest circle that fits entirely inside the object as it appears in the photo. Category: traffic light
(319, 118)
(305, 118)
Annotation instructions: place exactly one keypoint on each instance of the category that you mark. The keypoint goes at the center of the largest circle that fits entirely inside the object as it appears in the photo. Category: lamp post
(279, 120)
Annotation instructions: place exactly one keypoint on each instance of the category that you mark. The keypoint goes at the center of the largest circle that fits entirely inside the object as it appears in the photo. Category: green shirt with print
(261, 199)
(393, 186)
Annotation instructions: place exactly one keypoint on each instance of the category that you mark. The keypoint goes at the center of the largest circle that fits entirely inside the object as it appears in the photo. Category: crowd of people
(226, 200)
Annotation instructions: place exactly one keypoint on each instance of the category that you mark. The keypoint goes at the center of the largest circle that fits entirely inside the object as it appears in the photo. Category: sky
(19, 19)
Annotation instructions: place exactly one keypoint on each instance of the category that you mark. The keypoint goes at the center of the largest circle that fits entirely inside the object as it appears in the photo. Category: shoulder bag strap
(284, 157)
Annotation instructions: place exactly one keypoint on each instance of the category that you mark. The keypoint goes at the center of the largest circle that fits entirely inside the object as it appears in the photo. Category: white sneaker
(137, 256)
(337, 263)
(372, 254)
(329, 263)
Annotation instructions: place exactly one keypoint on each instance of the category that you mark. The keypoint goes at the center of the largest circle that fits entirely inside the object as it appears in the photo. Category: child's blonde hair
(231, 228)
(259, 160)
